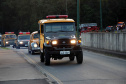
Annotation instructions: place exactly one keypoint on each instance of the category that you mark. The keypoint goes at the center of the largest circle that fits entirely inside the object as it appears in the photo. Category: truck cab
(22, 40)
(8, 39)
(58, 39)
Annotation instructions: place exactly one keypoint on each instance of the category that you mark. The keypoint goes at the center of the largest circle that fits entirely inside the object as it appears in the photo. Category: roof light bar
(57, 16)
(9, 32)
(24, 32)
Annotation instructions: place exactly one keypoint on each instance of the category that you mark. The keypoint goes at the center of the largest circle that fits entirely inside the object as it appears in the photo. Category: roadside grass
(4, 48)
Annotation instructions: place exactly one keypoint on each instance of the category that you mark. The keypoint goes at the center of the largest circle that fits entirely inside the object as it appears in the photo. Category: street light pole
(101, 14)
(78, 17)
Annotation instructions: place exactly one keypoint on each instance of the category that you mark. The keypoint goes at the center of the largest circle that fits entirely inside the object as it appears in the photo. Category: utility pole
(78, 17)
(101, 14)
(66, 8)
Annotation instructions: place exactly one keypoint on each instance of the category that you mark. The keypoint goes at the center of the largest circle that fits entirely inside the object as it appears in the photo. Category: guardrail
(103, 40)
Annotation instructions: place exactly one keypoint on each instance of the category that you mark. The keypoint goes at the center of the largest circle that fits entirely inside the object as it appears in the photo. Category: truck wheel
(41, 57)
(47, 58)
(71, 58)
(79, 58)
(32, 52)
(29, 50)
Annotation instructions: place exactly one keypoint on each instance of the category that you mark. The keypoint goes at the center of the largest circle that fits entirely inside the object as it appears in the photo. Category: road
(96, 69)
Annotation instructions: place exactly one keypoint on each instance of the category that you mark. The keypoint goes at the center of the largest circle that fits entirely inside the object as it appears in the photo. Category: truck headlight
(21, 42)
(7, 42)
(73, 41)
(35, 45)
(54, 42)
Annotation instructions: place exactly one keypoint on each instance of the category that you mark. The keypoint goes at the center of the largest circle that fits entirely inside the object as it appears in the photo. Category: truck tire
(17, 47)
(29, 50)
(41, 57)
(47, 57)
(71, 58)
(79, 58)
(32, 52)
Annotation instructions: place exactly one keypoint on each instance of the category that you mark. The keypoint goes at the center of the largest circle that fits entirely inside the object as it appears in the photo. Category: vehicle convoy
(58, 39)
(89, 27)
(8, 39)
(33, 44)
(22, 40)
(120, 25)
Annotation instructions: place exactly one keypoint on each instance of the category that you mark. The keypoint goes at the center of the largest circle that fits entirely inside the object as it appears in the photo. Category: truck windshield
(24, 37)
(36, 35)
(59, 27)
(10, 36)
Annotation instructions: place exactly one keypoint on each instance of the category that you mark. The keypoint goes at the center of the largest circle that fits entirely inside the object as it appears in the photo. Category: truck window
(24, 37)
(36, 35)
(56, 27)
(10, 36)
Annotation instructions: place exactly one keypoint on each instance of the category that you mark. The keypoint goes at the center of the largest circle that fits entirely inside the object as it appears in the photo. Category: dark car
(109, 29)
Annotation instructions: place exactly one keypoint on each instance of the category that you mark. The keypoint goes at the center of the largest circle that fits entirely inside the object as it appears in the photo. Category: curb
(107, 52)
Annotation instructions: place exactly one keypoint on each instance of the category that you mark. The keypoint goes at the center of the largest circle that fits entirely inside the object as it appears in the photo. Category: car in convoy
(22, 40)
(120, 26)
(33, 44)
(8, 39)
(58, 39)
(0, 39)
(109, 29)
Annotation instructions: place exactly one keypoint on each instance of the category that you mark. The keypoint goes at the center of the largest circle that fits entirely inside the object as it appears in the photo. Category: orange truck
(8, 39)
(58, 39)
(120, 25)
(22, 40)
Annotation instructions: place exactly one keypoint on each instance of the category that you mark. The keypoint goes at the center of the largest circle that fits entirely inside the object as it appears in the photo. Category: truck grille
(64, 42)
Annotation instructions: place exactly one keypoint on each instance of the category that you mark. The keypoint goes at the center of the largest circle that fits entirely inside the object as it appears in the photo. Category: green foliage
(23, 15)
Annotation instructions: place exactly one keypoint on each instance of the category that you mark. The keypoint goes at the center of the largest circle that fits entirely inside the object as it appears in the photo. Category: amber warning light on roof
(56, 16)
(24, 32)
(9, 32)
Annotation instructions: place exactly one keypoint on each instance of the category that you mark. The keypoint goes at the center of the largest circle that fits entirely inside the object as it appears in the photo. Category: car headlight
(35, 45)
(54, 42)
(73, 41)
(21, 42)
(7, 42)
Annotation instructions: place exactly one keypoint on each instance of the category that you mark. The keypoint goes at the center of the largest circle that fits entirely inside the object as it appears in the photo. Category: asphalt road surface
(96, 69)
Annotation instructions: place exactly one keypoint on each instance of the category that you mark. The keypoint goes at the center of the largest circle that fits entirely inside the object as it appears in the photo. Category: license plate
(64, 52)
